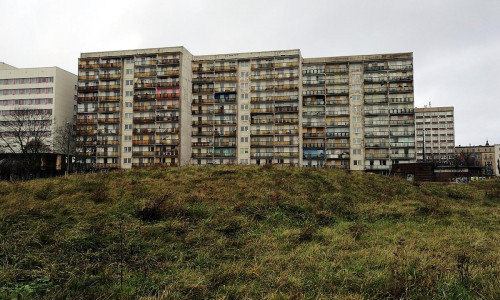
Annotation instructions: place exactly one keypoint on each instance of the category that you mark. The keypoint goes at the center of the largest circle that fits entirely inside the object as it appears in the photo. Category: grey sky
(455, 43)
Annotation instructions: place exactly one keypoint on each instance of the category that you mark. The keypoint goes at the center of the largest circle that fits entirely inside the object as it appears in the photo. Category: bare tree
(64, 141)
(25, 135)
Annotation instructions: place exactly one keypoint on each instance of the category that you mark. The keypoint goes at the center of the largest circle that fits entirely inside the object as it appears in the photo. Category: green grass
(237, 232)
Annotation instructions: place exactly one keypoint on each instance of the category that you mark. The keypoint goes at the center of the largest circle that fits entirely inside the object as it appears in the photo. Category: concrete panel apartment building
(435, 127)
(46, 92)
(165, 106)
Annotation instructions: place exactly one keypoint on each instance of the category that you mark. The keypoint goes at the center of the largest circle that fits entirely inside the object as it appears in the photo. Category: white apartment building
(45, 92)
(435, 133)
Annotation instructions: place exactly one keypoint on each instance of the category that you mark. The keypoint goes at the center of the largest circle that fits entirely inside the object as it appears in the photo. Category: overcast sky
(455, 43)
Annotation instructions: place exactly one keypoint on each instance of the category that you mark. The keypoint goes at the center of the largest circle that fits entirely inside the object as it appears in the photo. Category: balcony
(144, 108)
(313, 124)
(168, 84)
(145, 97)
(381, 90)
(337, 91)
(88, 66)
(225, 111)
(107, 154)
(108, 120)
(203, 101)
(225, 90)
(109, 98)
(203, 69)
(225, 78)
(87, 77)
(314, 145)
(376, 133)
(336, 70)
(315, 92)
(225, 68)
(203, 123)
(202, 133)
(313, 103)
(337, 124)
(167, 73)
(376, 101)
(279, 65)
(337, 113)
(262, 143)
(401, 122)
(313, 71)
(167, 96)
(337, 145)
(337, 134)
(401, 67)
(202, 144)
(167, 107)
(314, 156)
(261, 132)
(337, 102)
(202, 155)
(286, 132)
(145, 63)
(403, 133)
(337, 81)
(202, 112)
(85, 143)
(86, 132)
(286, 154)
(144, 119)
(110, 65)
(108, 109)
(286, 121)
(86, 121)
(313, 113)
(375, 68)
(401, 78)
(404, 89)
(170, 153)
(268, 65)
(376, 145)
(313, 134)
(148, 85)
(145, 74)
(142, 142)
(203, 90)
(403, 145)
(167, 118)
(374, 79)
(109, 76)
(87, 89)
(86, 98)
(404, 156)
(108, 131)
(377, 156)
(375, 112)
(107, 142)
(143, 153)
(168, 142)
(268, 110)
(168, 61)
(110, 87)
(224, 144)
(261, 154)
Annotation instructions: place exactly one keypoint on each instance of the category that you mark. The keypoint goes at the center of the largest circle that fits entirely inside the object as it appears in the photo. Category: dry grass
(248, 232)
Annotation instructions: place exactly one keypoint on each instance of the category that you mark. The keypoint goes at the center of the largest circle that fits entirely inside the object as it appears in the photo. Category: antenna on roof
(429, 103)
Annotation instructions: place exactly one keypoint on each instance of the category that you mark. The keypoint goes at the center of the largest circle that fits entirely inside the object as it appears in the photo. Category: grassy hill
(248, 232)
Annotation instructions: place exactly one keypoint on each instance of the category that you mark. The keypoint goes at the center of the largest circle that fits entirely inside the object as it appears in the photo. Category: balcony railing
(87, 77)
(313, 134)
(337, 134)
(143, 153)
(84, 89)
(376, 133)
(314, 156)
(376, 145)
(108, 65)
(403, 145)
(109, 76)
(107, 166)
(143, 142)
(337, 91)
(314, 145)
(92, 98)
(109, 98)
(167, 73)
(109, 87)
(167, 118)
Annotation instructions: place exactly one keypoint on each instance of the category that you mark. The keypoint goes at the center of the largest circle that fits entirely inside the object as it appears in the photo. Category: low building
(478, 156)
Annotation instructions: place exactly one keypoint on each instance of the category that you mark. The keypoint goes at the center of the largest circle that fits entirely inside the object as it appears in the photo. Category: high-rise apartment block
(435, 128)
(47, 95)
(165, 106)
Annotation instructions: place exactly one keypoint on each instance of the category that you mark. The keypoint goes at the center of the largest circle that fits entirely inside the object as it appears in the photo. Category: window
(128, 104)
(130, 71)
(244, 106)
(128, 116)
(244, 117)
(244, 139)
(244, 74)
(356, 97)
(128, 126)
(129, 82)
(244, 63)
(129, 93)
(244, 96)
(356, 151)
(357, 129)
(244, 128)
(244, 85)
(244, 150)
(127, 149)
(128, 137)
(129, 60)
(244, 161)
(127, 160)
(357, 162)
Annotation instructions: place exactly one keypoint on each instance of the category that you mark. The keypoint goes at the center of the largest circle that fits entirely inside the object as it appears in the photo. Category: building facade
(497, 160)
(478, 156)
(435, 128)
(47, 95)
(166, 106)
